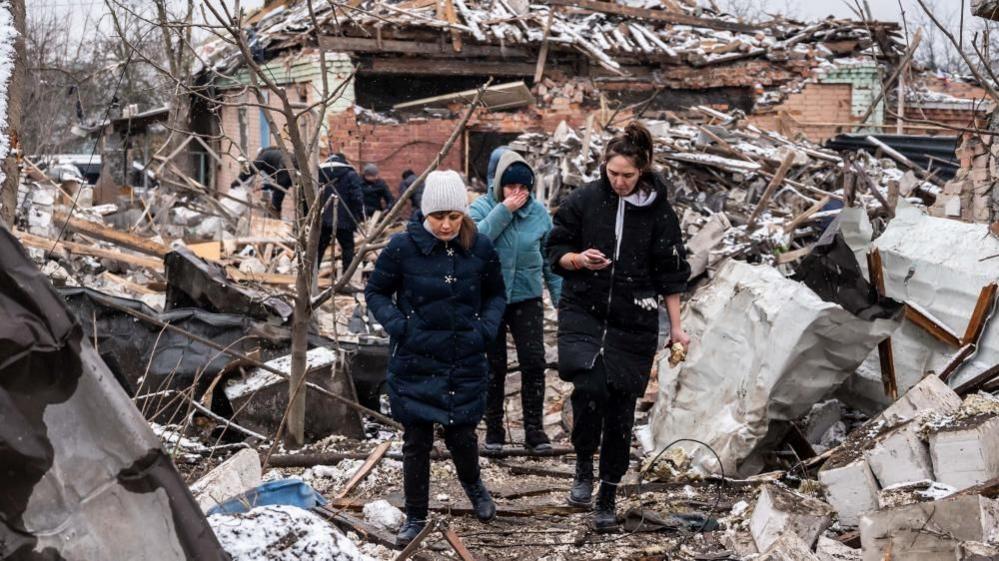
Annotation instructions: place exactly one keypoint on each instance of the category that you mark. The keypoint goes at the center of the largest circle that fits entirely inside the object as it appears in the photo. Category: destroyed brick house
(557, 61)
(838, 401)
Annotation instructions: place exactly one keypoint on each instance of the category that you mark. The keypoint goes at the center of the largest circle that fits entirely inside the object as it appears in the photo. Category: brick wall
(812, 112)
(415, 143)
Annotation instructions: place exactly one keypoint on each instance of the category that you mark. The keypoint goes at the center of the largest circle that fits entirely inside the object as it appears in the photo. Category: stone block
(900, 456)
(779, 511)
(929, 531)
(851, 490)
(967, 453)
(788, 547)
(929, 394)
(233, 477)
(828, 549)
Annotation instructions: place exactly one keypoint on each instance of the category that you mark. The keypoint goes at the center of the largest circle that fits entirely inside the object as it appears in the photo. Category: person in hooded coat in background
(617, 244)
(269, 163)
(518, 226)
(338, 178)
(437, 289)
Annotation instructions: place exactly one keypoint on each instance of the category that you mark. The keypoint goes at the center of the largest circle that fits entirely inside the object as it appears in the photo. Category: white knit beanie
(444, 191)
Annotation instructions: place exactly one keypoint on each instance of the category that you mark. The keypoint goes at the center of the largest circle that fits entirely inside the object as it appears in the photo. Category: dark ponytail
(634, 143)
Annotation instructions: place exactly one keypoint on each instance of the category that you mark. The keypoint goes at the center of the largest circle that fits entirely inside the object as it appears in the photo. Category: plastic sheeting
(765, 349)
(84, 477)
(941, 265)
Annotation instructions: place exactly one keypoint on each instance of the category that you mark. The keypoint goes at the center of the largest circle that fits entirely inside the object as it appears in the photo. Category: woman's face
(623, 175)
(446, 224)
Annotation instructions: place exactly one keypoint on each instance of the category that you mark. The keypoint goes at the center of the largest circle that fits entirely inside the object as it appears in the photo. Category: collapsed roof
(506, 37)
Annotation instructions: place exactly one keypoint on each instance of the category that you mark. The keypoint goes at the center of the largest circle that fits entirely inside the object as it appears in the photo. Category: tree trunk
(15, 90)
(307, 271)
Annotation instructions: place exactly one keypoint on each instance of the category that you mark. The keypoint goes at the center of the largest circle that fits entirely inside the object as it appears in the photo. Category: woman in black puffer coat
(616, 243)
(438, 291)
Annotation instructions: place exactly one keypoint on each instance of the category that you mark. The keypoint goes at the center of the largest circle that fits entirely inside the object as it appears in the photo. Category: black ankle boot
(581, 494)
(485, 508)
(410, 529)
(536, 440)
(604, 516)
(495, 437)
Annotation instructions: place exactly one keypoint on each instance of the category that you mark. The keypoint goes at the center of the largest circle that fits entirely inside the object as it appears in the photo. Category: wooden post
(539, 71)
(885, 353)
(785, 166)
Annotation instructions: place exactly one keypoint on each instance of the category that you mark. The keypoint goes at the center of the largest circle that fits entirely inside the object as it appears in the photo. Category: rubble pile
(967, 196)
(616, 37)
(741, 191)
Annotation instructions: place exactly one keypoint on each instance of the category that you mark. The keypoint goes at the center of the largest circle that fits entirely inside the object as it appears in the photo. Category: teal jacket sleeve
(491, 221)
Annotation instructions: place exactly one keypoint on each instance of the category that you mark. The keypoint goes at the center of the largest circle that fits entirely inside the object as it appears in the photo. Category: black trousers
(417, 441)
(344, 237)
(602, 410)
(525, 321)
(277, 199)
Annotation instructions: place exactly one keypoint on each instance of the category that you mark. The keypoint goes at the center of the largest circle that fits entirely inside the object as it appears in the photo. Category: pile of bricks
(968, 196)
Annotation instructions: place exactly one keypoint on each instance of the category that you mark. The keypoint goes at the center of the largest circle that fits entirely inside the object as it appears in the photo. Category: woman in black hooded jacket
(616, 242)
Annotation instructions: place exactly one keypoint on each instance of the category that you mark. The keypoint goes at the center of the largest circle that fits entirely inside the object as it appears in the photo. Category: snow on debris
(282, 533)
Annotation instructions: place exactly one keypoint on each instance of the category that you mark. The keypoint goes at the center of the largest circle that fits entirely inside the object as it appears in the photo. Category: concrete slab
(929, 531)
(779, 511)
(789, 547)
(900, 456)
(827, 549)
(929, 394)
(235, 476)
(966, 454)
(851, 490)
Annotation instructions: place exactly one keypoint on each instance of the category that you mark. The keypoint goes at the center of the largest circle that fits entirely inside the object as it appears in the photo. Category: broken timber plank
(655, 15)
(886, 354)
(457, 545)
(785, 166)
(110, 235)
(39, 242)
(977, 382)
(983, 308)
(453, 20)
(376, 456)
(347, 521)
(805, 216)
(923, 319)
(539, 71)
(957, 360)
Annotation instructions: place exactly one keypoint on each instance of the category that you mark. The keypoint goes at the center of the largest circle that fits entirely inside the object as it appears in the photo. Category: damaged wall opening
(480, 145)
(380, 92)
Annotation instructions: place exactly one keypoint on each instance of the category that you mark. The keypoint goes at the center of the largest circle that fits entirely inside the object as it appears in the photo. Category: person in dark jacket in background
(377, 195)
(409, 177)
(338, 178)
(519, 226)
(277, 178)
(437, 289)
(616, 243)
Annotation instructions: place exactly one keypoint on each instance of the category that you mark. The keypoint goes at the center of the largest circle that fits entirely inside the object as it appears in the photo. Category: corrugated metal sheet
(931, 152)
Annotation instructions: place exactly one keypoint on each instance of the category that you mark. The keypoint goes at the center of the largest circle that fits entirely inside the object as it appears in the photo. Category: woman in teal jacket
(518, 226)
